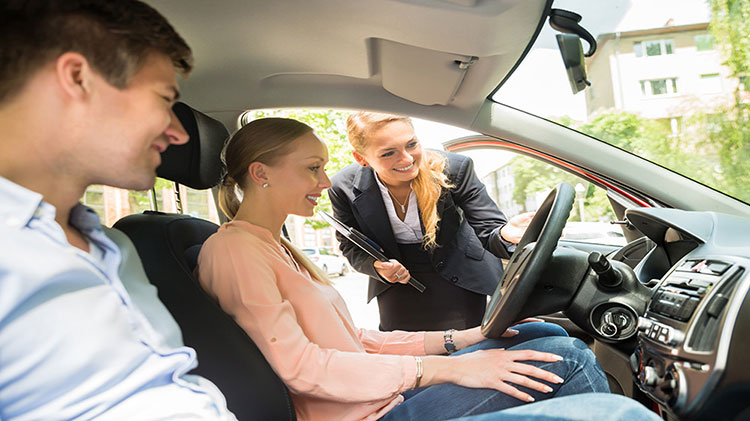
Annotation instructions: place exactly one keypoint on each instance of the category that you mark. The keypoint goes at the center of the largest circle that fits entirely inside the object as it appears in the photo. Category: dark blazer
(469, 225)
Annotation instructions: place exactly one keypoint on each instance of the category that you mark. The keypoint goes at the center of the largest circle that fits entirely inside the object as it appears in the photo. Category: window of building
(659, 86)
(94, 198)
(196, 203)
(674, 125)
(654, 47)
(704, 42)
(709, 83)
(309, 236)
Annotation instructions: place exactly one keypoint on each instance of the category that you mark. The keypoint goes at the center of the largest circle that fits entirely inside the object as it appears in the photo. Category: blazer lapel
(369, 205)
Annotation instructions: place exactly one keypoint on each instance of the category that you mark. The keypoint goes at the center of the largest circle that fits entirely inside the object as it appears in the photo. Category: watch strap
(450, 346)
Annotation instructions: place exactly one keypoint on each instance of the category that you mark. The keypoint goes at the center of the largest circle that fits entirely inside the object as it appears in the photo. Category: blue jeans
(579, 369)
(583, 407)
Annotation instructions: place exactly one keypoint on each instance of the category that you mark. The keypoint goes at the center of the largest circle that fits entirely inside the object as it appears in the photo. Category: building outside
(304, 235)
(111, 203)
(659, 73)
(500, 185)
(663, 74)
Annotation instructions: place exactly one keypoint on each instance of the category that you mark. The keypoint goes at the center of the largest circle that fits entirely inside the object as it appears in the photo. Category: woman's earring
(265, 185)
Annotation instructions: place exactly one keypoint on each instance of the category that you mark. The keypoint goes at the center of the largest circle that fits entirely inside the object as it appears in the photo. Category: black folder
(362, 241)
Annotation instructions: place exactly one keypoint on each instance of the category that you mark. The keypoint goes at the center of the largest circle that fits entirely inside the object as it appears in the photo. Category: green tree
(730, 26)
(330, 127)
(532, 176)
(727, 131)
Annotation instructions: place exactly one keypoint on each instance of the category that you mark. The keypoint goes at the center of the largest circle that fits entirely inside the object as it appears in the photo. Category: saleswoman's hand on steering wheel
(514, 229)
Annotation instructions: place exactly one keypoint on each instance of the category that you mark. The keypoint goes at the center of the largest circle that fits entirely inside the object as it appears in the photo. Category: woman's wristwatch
(450, 347)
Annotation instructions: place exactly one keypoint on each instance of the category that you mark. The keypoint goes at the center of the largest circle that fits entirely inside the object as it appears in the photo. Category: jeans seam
(471, 410)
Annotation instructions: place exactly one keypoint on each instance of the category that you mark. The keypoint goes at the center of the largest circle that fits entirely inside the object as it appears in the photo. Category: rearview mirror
(575, 64)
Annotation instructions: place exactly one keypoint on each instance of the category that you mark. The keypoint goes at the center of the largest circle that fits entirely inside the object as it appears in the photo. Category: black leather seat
(168, 245)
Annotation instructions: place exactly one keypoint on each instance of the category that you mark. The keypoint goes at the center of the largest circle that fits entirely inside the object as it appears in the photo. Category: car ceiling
(396, 55)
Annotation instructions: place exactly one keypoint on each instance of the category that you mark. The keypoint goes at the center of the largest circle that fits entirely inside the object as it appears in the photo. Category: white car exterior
(328, 261)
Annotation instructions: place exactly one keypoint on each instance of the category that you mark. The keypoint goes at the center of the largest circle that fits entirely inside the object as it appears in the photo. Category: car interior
(667, 314)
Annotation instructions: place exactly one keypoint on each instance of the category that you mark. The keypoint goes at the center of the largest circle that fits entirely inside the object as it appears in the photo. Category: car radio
(679, 338)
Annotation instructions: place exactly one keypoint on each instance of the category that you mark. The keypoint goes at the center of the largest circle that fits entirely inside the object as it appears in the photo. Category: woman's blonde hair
(431, 179)
(265, 140)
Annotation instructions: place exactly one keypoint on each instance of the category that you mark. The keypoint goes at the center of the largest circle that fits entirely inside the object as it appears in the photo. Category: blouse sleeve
(396, 342)
(240, 275)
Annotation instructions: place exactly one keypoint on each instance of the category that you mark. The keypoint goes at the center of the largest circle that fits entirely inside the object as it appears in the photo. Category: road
(353, 287)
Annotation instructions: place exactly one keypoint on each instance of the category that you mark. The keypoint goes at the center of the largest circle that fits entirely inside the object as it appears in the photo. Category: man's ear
(74, 75)
(359, 158)
(258, 173)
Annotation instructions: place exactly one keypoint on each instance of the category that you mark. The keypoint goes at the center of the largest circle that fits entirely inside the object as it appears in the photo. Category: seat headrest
(196, 164)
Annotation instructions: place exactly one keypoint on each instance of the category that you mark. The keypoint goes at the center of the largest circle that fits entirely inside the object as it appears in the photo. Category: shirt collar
(19, 204)
(383, 187)
(84, 218)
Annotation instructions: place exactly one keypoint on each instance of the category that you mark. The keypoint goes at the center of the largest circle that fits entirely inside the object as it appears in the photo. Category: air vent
(707, 325)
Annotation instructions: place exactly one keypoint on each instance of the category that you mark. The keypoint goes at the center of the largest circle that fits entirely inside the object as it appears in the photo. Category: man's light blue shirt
(73, 345)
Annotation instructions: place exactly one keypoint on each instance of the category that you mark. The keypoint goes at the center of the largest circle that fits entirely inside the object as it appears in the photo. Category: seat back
(168, 245)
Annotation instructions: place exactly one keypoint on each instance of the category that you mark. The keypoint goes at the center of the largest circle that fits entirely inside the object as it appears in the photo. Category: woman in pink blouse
(333, 370)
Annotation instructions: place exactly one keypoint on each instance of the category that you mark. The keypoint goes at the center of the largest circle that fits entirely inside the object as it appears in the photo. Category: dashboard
(693, 349)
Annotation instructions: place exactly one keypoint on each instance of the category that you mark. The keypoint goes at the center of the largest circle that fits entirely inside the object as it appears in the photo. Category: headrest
(196, 164)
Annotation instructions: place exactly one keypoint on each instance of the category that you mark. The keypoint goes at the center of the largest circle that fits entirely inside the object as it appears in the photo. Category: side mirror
(573, 58)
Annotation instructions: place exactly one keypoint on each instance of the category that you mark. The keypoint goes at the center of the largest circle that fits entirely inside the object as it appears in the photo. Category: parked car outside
(328, 261)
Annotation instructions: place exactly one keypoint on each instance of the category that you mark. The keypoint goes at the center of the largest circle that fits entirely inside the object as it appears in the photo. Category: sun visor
(421, 75)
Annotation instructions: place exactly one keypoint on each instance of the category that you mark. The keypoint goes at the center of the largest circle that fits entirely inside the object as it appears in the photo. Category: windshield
(667, 84)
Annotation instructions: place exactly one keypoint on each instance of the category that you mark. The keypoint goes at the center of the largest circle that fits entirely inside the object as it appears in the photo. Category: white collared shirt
(73, 344)
(408, 231)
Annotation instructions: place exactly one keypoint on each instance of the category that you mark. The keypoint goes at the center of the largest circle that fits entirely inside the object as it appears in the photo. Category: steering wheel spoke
(525, 267)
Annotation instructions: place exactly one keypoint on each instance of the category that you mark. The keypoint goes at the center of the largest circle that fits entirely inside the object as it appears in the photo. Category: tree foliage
(730, 26)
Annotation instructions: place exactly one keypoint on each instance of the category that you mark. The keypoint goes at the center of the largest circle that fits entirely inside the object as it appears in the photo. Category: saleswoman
(433, 218)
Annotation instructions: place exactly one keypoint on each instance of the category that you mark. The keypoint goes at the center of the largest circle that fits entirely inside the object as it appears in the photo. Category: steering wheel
(527, 263)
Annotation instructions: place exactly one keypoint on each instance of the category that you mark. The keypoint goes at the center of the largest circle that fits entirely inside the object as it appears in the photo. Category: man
(86, 95)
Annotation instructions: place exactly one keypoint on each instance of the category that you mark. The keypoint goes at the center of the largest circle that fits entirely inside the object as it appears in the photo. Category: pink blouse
(303, 328)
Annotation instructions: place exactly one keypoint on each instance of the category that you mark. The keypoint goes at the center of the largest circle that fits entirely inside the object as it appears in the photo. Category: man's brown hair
(115, 36)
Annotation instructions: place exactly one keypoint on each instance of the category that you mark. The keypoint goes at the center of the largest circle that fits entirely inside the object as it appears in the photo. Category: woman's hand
(495, 369)
(514, 229)
(392, 271)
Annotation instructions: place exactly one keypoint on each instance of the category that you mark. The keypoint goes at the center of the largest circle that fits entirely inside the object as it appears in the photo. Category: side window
(112, 203)
(521, 183)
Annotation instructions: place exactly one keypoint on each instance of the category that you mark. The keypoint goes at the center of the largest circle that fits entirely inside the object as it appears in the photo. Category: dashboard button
(687, 265)
(716, 305)
(699, 283)
(688, 308)
(654, 332)
(718, 267)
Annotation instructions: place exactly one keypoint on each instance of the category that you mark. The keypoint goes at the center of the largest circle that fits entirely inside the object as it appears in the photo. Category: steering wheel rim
(528, 262)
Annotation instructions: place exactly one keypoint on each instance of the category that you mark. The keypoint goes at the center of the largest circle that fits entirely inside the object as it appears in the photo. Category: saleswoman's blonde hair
(264, 140)
(431, 179)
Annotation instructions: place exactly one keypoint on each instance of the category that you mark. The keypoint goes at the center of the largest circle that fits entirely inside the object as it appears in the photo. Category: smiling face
(130, 127)
(394, 152)
(299, 177)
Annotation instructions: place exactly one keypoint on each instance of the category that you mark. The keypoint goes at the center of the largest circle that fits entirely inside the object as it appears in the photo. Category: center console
(684, 336)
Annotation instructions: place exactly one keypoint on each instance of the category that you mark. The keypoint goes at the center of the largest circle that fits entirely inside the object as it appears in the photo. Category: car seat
(168, 246)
